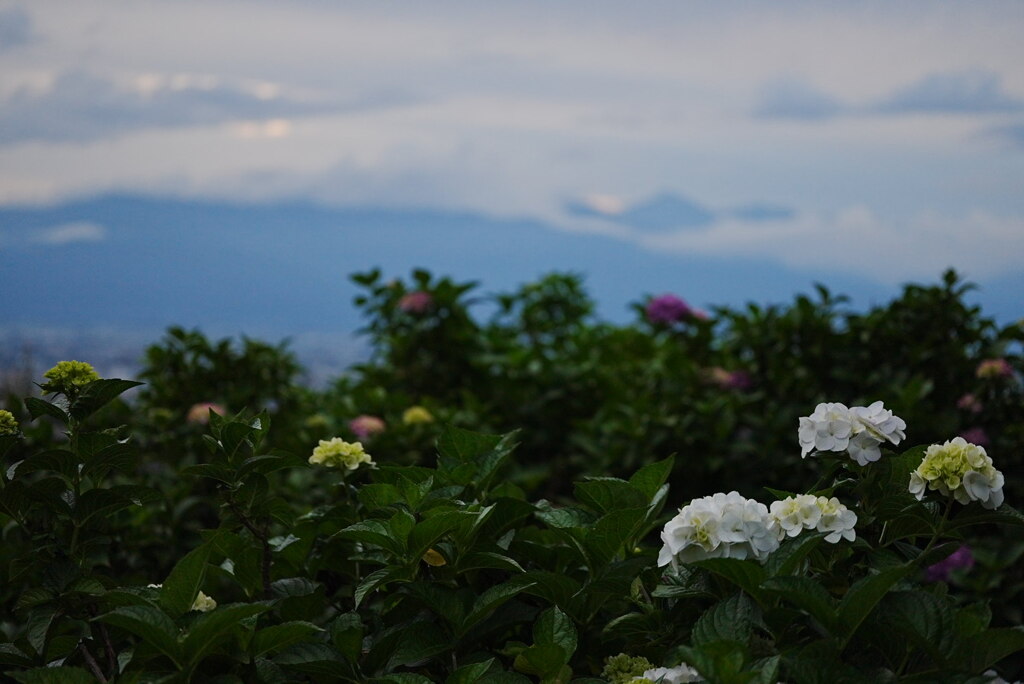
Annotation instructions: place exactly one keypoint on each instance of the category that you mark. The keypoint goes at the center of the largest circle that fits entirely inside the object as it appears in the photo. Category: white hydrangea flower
(795, 514)
(719, 526)
(836, 519)
(880, 422)
(681, 674)
(960, 469)
(829, 428)
(859, 430)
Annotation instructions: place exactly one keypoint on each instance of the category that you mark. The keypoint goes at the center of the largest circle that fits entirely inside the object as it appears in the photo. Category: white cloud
(856, 240)
(67, 233)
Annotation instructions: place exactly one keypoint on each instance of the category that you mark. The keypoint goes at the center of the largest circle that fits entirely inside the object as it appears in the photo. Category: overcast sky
(880, 139)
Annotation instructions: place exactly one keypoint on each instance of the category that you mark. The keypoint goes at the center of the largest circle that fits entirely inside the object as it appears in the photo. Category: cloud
(856, 240)
(966, 92)
(67, 233)
(15, 28)
(80, 106)
(794, 99)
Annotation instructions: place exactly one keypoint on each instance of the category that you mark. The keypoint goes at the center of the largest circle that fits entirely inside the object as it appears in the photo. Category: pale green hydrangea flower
(681, 674)
(961, 470)
(8, 425)
(69, 375)
(622, 668)
(203, 603)
(416, 414)
(336, 452)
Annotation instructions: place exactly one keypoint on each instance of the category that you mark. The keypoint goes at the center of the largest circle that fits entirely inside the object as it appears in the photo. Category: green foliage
(509, 533)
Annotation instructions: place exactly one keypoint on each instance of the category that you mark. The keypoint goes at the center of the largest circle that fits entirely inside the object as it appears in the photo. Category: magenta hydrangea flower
(365, 426)
(976, 435)
(416, 302)
(961, 559)
(667, 308)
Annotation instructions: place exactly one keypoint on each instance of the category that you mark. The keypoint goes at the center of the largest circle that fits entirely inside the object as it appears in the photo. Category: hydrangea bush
(341, 567)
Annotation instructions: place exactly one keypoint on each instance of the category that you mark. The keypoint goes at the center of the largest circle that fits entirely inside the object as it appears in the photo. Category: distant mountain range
(272, 270)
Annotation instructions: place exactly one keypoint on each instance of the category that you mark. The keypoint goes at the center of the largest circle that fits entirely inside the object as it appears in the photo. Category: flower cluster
(795, 514)
(8, 425)
(68, 375)
(623, 668)
(960, 469)
(199, 414)
(365, 426)
(719, 526)
(961, 559)
(991, 369)
(859, 430)
(670, 675)
(416, 302)
(415, 415)
(336, 452)
(729, 380)
(666, 309)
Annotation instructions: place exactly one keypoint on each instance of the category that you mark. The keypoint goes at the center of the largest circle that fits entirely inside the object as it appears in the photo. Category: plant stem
(91, 662)
(262, 537)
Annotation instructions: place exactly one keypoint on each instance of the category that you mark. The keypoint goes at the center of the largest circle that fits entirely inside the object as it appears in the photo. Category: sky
(876, 140)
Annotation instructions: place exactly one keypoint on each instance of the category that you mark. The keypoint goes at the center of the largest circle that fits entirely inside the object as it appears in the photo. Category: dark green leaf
(807, 594)
(279, 637)
(151, 625)
(469, 674)
(98, 394)
(728, 620)
(606, 494)
(210, 629)
(54, 675)
(864, 595)
(648, 480)
(746, 574)
(556, 628)
(40, 407)
(347, 635)
(181, 587)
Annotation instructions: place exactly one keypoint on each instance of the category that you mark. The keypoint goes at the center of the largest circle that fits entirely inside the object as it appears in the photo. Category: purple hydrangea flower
(667, 308)
(961, 559)
(976, 435)
(416, 302)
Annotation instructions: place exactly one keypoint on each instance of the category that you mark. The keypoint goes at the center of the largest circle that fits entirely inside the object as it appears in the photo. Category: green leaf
(181, 587)
(926, 620)
(543, 660)
(316, 660)
(428, 531)
(788, 556)
(210, 629)
(975, 514)
(117, 456)
(554, 627)
(606, 494)
(40, 407)
(347, 635)
(992, 645)
(606, 538)
(746, 574)
(728, 620)
(279, 637)
(378, 578)
(648, 480)
(488, 560)
(37, 629)
(456, 446)
(54, 675)
(60, 461)
(864, 595)
(213, 471)
(469, 674)
(418, 642)
(807, 594)
(98, 394)
(151, 625)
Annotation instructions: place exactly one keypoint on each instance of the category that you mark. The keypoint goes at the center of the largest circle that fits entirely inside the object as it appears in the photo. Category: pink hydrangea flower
(667, 308)
(199, 414)
(416, 302)
(976, 435)
(994, 368)
(969, 403)
(962, 558)
(730, 380)
(365, 426)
